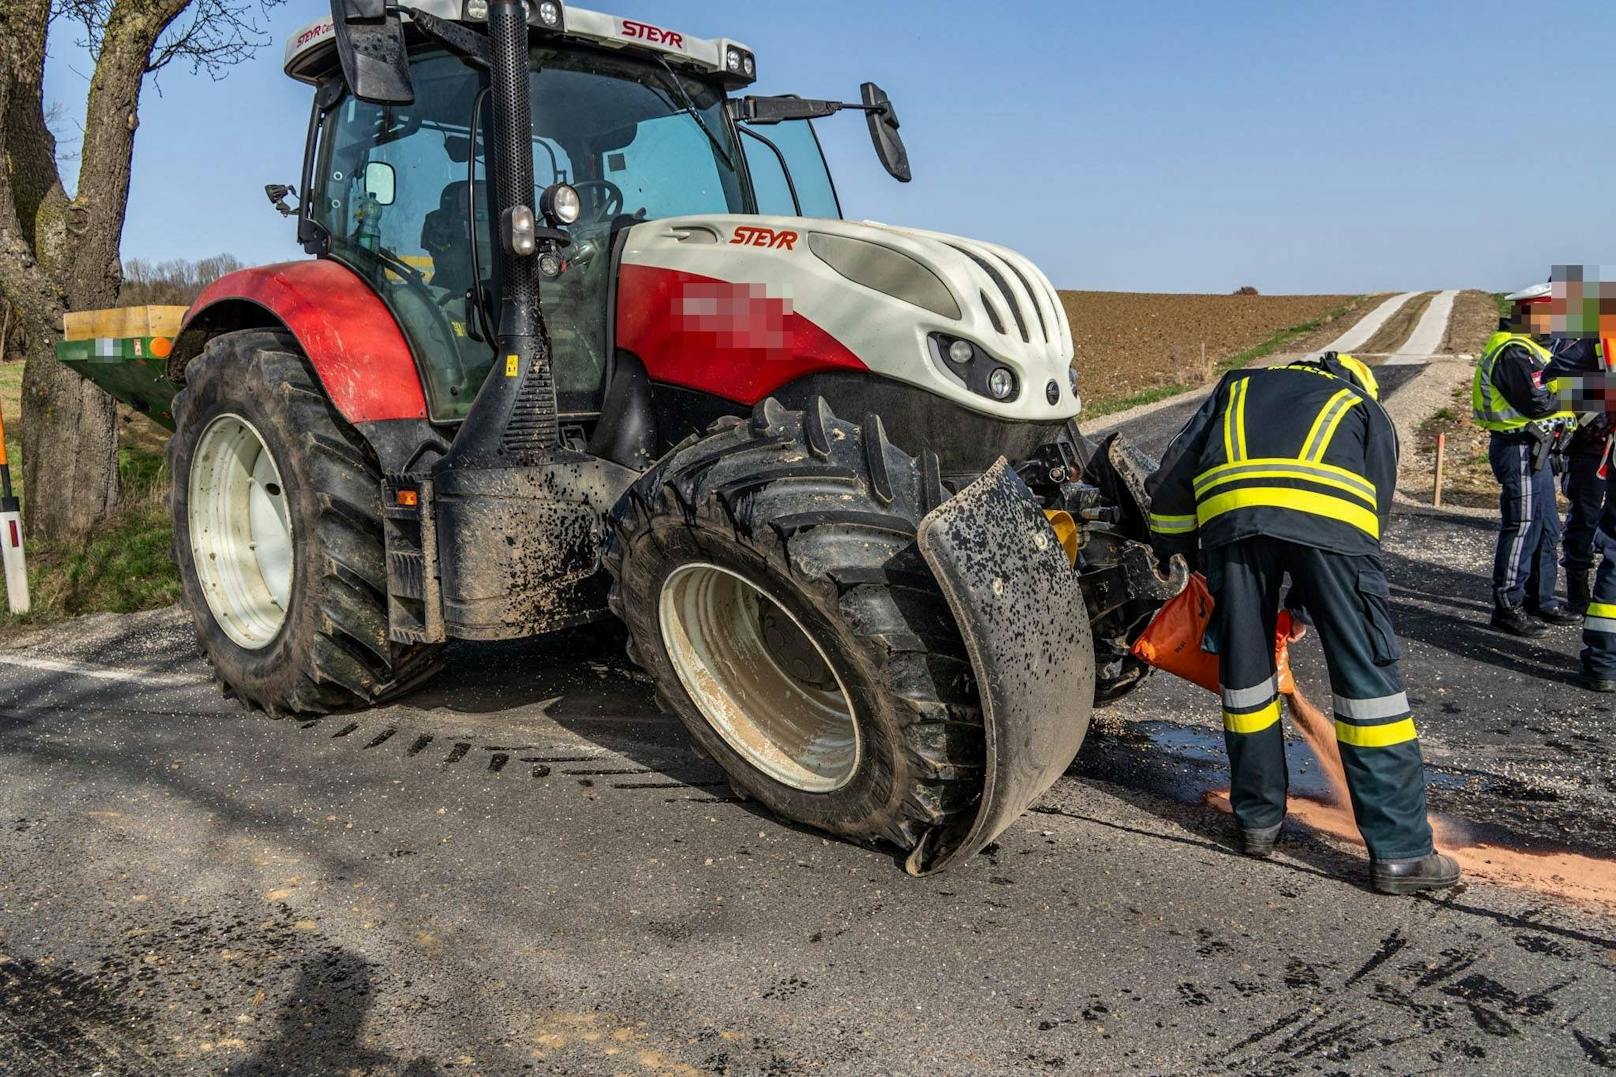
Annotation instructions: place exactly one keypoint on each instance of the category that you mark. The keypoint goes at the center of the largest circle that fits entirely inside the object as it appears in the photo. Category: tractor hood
(740, 305)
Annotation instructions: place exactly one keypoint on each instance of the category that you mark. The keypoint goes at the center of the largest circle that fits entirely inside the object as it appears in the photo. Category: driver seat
(446, 236)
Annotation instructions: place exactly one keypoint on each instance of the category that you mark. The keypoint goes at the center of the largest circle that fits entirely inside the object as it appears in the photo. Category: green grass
(127, 564)
(1283, 337)
(1504, 305)
(1275, 342)
(1145, 396)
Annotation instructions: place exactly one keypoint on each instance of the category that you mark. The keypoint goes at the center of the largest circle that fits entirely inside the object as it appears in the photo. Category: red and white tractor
(585, 335)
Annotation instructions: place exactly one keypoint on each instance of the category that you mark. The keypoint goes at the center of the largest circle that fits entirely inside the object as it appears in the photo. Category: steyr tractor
(585, 335)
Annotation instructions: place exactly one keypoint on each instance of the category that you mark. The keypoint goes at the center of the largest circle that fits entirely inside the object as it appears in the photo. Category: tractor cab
(635, 119)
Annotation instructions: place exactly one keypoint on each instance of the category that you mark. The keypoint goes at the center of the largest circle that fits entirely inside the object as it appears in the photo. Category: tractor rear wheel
(772, 586)
(278, 534)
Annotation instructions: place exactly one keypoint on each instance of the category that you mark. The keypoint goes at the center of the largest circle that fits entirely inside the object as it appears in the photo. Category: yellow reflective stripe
(1319, 420)
(1283, 497)
(1330, 427)
(1228, 422)
(1282, 473)
(1254, 722)
(1240, 421)
(1351, 478)
(1376, 736)
(1171, 525)
(1602, 609)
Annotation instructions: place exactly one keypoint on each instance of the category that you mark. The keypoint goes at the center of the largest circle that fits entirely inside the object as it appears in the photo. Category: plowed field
(1134, 344)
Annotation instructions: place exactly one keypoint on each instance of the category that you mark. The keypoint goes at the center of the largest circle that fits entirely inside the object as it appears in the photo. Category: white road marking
(1369, 325)
(1428, 334)
(105, 673)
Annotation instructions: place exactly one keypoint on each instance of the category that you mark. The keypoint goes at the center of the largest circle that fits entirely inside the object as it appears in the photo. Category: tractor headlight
(475, 10)
(1071, 378)
(561, 204)
(549, 15)
(1001, 383)
(885, 270)
(738, 62)
(971, 367)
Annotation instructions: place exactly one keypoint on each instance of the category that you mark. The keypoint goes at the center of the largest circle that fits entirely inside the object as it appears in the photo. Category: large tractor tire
(278, 534)
(770, 580)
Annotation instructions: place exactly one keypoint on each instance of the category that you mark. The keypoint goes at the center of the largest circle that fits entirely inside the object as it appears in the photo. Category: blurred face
(1583, 301)
(1538, 318)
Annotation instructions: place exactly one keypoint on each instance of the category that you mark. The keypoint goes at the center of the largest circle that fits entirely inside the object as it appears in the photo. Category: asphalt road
(525, 868)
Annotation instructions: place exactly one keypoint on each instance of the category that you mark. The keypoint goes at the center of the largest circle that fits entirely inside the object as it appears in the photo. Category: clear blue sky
(1170, 146)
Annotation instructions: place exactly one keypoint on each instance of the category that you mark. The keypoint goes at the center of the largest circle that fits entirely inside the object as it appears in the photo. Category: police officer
(1513, 399)
(1291, 471)
(1586, 468)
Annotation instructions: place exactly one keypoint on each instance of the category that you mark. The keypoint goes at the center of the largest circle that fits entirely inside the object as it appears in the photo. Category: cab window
(792, 147)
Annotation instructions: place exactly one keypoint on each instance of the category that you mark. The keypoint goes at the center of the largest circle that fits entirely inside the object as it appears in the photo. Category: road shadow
(320, 1025)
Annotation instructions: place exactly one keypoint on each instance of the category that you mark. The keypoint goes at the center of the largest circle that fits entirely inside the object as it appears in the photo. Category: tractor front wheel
(772, 585)
(278, 534)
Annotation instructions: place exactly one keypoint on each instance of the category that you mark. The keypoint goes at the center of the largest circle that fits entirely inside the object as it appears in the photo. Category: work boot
(1556, 613)
(1595, 683)
(1579, 589)
(1259, 842)
(1513, 619)
(1433, 871)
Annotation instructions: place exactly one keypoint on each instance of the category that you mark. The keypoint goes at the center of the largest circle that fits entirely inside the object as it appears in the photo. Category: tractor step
(414, 608)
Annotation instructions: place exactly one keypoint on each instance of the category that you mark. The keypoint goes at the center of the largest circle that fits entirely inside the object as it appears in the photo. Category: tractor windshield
(398, 191)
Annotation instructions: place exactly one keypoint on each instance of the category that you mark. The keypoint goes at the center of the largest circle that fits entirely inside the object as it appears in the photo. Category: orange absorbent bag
(1173, 640)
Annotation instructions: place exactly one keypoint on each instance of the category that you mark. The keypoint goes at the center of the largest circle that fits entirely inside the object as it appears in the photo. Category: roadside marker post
(11, 553)
(1441, 457)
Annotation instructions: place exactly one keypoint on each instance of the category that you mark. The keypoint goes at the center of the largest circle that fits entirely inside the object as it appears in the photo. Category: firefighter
(1512, 398)
(1290, 471)
(1599, 626)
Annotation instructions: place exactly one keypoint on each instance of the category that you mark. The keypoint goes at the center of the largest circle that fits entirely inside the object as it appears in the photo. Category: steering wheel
(614, 197)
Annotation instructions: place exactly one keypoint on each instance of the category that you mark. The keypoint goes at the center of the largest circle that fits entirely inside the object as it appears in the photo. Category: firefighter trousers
(1346, 597)
(1524, 564)
(1585, 489)
(1599, 626)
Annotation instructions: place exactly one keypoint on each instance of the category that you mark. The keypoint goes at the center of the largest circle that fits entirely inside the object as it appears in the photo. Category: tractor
(585, 335)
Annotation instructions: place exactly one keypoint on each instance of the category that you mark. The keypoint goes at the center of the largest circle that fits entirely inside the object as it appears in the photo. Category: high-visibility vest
(1487, 403)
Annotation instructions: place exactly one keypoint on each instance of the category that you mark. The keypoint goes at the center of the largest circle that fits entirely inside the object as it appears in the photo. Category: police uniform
(1290, 471)
(1584, 482)
(1599, 626)
(1512, 398)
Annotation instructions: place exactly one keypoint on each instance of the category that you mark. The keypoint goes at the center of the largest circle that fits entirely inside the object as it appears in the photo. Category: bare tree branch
(214, 36)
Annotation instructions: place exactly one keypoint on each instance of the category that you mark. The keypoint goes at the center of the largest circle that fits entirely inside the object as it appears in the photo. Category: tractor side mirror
(380, 183)
(370, 44)
(883, 121)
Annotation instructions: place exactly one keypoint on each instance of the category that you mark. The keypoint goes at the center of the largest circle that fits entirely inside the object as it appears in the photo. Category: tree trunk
(58, 255)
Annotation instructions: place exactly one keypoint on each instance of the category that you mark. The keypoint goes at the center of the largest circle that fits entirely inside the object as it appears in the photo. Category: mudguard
(1017, 603)
(350, 336)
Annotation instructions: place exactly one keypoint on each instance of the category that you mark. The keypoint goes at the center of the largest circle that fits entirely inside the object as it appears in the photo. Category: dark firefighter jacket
(1297, 452)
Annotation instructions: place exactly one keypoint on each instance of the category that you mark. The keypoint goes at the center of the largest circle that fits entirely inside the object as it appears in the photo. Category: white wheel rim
(800, 734)
(241, 533)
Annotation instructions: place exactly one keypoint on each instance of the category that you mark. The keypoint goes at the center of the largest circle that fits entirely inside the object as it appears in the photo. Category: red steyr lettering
(752, 236)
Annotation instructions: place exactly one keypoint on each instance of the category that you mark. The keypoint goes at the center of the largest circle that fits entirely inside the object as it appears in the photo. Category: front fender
(1017, 604)
(350, 337)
